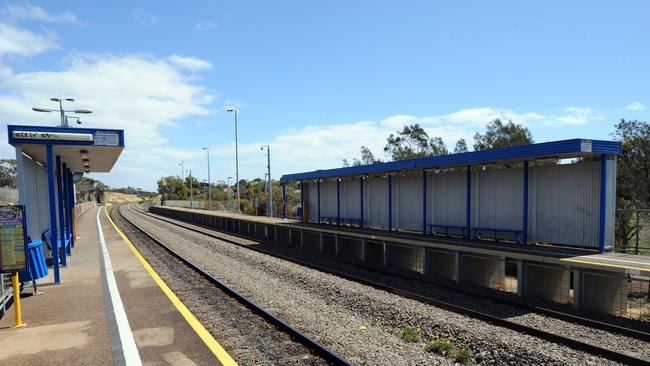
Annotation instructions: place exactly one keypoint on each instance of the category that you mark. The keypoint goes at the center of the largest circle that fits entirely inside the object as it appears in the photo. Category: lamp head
(35, 109)
(70, 99)
(231, 110)
(55, 99)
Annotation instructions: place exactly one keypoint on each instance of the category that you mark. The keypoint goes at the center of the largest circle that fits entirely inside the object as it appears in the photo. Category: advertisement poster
(12, 239)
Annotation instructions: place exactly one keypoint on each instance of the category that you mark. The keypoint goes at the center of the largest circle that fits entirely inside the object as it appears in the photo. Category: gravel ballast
(357, 321)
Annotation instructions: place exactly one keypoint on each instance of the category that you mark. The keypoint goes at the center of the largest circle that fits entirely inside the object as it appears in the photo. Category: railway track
(512, 325)
(280, 342)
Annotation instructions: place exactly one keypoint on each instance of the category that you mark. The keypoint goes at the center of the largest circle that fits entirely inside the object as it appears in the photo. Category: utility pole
(191, 193)
(270, 184)
(182, 170)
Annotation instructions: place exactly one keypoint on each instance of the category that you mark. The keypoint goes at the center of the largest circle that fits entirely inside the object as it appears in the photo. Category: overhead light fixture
(85, 160)
(84, 154)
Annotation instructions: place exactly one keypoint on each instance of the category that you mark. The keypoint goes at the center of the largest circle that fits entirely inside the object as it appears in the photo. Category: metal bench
(341, 221)
(446, 228)
(477, 231)
(47, 239)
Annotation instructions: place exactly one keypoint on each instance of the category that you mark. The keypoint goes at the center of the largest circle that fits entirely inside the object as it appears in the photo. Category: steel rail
(319, 349)
(548, 336)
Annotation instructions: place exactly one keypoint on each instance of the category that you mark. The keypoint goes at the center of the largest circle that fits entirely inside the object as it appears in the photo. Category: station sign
(53, 136)
(13, 239)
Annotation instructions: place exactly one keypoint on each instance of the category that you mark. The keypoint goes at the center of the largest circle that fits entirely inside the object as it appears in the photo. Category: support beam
(390, 202)
(318, 198)
(61, 210)
(52, 204)
(603, 203)
(284, 201)
(524, 226)
(338, 201)
(424, 202)
(68, 206)
(468, 203)
(361, 194)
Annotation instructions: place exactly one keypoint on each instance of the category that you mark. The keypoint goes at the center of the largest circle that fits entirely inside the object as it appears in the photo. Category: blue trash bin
(36, 267)
(299, 212)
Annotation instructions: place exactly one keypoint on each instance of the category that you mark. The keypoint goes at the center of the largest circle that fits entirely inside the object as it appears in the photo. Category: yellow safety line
(603, 264)
(200, 330)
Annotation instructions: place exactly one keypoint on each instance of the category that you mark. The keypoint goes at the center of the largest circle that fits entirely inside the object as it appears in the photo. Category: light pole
(207, 151)
(69, 117)
(231, 110)
(229, 199)
(64, 120)
(182, 170)
(191, 193)
(268, 167)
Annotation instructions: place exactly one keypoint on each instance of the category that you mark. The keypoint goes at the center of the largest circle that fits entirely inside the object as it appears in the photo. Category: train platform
(558, 255)
(110, 308)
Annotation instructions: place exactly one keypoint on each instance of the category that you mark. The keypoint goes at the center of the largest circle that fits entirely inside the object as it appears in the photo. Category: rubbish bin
(36, 267)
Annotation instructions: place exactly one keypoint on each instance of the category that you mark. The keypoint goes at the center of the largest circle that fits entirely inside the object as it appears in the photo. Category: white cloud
(27, 11)
(205, 26)
(22, 42)
(636, 106)
(190, 63)
(137, 93)
(143, 17)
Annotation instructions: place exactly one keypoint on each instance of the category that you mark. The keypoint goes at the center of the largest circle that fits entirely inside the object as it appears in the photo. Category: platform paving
(74, 324)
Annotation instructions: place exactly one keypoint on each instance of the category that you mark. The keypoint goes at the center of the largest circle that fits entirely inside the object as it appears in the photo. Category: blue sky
(316, 80)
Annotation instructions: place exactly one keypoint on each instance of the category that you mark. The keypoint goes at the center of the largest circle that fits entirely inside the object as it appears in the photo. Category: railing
(633, 231)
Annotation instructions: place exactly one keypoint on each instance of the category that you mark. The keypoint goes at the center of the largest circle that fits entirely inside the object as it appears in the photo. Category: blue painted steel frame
(66, 205)
(338, 201)
(71, 207)
(468, 203)
(59, 185)
(424, 202)
(554, 149)
(284, 201)
(390, 202)
(524, 225)
(52, 204)
(603, 203)
(361, 195)
(318, 194)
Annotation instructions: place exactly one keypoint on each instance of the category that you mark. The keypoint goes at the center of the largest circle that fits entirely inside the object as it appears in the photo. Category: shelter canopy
(82, 149)
(573, 148)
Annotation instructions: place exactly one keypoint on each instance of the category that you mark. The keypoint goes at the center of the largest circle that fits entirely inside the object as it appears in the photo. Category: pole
(182, 170)
(191, 193)
(209, 182)
(237, 164)
(52, 204)
(268, 166)
(17, 311)
(64, 122)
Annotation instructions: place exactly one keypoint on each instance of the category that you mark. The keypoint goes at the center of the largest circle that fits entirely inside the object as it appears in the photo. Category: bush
(441, 346)
(410, 335)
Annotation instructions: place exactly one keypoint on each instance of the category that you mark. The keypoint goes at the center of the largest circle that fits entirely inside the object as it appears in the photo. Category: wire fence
(633, 231)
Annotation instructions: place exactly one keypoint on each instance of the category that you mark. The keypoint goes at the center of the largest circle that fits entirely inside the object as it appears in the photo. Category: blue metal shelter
(49, 160)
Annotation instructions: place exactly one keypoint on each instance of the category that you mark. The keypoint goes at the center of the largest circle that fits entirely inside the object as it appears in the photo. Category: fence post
(636, 249)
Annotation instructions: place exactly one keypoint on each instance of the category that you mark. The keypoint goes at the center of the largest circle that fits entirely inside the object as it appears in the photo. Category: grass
(447, 348)
(410, 335)
(645, 315)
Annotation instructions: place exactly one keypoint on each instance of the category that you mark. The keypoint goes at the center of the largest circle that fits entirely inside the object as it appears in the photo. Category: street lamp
(231, 110)
(268, 166)
(207, 151)
(64, 121)
(191, 192)
(229, 200)
(182, 170)
(69, 117)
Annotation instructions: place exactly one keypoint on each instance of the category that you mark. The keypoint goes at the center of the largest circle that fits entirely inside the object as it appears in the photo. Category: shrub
(410, 335)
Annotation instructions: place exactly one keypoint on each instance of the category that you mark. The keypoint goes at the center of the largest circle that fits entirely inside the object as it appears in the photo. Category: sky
(317, 80)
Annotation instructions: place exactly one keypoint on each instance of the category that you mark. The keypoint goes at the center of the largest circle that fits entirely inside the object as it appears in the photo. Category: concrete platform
(78, 322)
(558, 255)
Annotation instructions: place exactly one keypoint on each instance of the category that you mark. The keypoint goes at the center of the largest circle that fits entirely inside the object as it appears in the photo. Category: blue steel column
(468, 203)
(59, 185)
(66, 203)
(361, 194)
(424, 202)
(318, 198)
(524, 228)
(390, 202)
(52, 204)
(302, 200)
(284, 201)
(338, 201)
(71, 206)
(603, 203)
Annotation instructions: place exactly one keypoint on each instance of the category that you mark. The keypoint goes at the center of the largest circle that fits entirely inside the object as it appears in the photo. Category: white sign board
(57, 136)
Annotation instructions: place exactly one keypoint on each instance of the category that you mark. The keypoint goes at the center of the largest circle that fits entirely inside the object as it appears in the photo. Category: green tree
(413, 142)
(90, 189)
(633, 176)
(461, 146)
(367, 157)
(498, 135)
(173, 188)
(8, 173)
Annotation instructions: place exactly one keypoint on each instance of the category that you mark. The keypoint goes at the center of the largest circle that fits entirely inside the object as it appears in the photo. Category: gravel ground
(359, 322)
(223, 316)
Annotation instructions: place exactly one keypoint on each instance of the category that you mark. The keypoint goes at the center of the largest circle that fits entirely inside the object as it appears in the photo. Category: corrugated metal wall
(376, 201)
(34, 194)
(446, 198)
(350, 201)
(311, 198)
(564, 200)
(407, 201)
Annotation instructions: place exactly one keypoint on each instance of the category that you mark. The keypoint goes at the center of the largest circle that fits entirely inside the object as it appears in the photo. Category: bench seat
(446, 228)
(477, 231)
